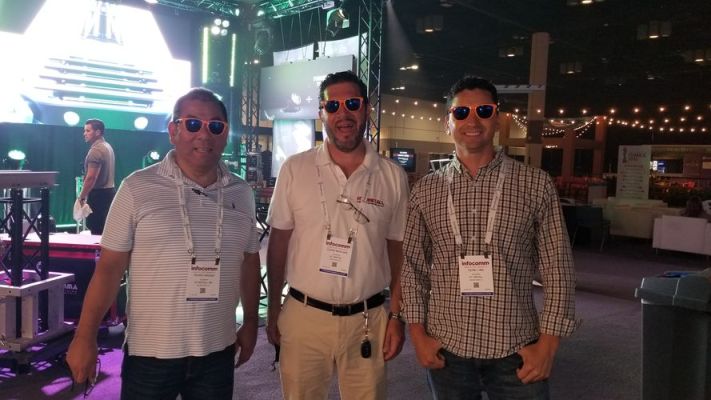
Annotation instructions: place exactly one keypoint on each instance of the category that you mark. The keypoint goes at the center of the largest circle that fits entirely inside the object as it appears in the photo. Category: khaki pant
(313, 342)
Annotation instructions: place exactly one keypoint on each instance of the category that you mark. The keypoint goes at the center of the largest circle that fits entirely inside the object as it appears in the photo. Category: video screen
(63, 64)
(668, 166)
(404, 157)
(290, 91)
(290, 137)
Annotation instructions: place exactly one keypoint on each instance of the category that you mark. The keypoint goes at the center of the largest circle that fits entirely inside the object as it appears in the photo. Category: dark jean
(100, 201)
(466, 378)
(206, 377)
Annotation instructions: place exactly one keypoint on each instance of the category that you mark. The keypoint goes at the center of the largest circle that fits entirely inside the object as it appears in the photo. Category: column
(537, 98)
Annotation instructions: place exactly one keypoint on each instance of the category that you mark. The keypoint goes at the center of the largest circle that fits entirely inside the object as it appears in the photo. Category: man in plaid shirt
(477, 231)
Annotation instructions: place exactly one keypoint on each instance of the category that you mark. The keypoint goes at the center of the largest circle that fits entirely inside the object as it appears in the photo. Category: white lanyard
(493, 209)
(324, 209)
(186, 220)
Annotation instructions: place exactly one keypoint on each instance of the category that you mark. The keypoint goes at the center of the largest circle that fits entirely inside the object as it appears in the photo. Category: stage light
(225, 23)
(152, 1)
(336, 20)
(215, 30)
(150, 158)
(262, 42)
(16, 159)
(71, 118)
(140, 123)
(17, 155)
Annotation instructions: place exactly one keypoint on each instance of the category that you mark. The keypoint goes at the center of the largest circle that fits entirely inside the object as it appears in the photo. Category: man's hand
(245, 341)
(538, 359)
(81, 359)
(426, 347)
(273, 334)
(394, 339)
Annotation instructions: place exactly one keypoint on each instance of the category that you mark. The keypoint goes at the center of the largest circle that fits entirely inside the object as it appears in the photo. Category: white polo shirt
(296, 204)
(145, 219)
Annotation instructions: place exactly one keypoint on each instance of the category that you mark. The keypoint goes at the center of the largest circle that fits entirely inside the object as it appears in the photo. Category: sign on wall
(633, 172)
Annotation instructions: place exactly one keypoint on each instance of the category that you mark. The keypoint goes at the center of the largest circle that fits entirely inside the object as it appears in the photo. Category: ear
(172, 131)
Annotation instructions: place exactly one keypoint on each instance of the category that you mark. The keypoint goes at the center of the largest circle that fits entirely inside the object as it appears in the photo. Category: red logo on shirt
(370, 200)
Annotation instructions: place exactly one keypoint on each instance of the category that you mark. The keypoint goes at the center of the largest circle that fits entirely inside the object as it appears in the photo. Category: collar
(169, 168)
(370, 162)
(98, 141)
(491, 165)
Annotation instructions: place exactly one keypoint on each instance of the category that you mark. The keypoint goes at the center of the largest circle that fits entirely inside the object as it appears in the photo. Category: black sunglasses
(89, 384)
(483, 111)
(352, 104)
(193, 125)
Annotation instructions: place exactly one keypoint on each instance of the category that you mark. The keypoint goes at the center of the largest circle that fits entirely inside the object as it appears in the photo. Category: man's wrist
(397, 316)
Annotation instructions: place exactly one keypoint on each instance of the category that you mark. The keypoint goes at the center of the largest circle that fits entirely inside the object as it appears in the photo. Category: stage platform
(77, 254)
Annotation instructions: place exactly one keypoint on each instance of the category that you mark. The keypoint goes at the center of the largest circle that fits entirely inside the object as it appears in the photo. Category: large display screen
(290, 91)
(92, 59)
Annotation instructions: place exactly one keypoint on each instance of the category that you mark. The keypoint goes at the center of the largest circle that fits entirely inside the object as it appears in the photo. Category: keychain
(365, 344)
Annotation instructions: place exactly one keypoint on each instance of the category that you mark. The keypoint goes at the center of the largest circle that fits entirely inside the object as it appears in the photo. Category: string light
(651, 120)
(558, 127)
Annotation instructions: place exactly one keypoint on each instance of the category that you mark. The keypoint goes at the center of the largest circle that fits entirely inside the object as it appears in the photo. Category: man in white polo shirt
(185, 229)
(337, 224)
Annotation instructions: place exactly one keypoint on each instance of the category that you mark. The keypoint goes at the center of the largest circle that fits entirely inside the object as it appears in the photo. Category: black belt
(342, 310)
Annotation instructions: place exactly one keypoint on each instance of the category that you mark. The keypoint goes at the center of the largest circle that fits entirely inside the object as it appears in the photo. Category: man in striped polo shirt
(185, 230)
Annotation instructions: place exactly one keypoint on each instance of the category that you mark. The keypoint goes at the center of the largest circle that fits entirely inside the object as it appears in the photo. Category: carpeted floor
(600, 361)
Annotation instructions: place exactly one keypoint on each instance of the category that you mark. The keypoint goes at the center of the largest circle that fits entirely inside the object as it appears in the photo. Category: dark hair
(694, 207)
(339, 77)
(200, 94)
(96, 124)
(469, 82)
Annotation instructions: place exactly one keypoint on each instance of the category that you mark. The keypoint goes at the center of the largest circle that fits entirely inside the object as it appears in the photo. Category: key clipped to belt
(365, 344)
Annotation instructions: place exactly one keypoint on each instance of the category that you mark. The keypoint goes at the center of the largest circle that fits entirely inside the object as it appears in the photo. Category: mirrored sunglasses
(483, 111)
(352, 104)
(193, 125)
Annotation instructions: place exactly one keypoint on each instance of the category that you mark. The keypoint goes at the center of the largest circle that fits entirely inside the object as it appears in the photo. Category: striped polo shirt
(145, 220)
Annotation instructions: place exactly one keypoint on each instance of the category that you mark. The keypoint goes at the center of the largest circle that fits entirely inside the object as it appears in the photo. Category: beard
(350, 144)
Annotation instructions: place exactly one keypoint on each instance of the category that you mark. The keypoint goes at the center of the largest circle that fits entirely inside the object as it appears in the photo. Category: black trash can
(676, 336)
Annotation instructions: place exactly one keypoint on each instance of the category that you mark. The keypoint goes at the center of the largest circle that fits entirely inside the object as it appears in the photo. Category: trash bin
(676, 336)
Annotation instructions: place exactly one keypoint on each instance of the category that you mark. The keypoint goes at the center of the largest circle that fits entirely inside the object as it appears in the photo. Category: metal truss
(370, 41)
(249, 105)
(271, 8)
(285, 8)
(218, 7)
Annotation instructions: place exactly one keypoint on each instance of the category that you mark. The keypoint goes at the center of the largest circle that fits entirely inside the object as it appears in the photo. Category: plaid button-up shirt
(529, 234)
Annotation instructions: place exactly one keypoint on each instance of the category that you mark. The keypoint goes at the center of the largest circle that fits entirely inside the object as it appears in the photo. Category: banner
(633, 172)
